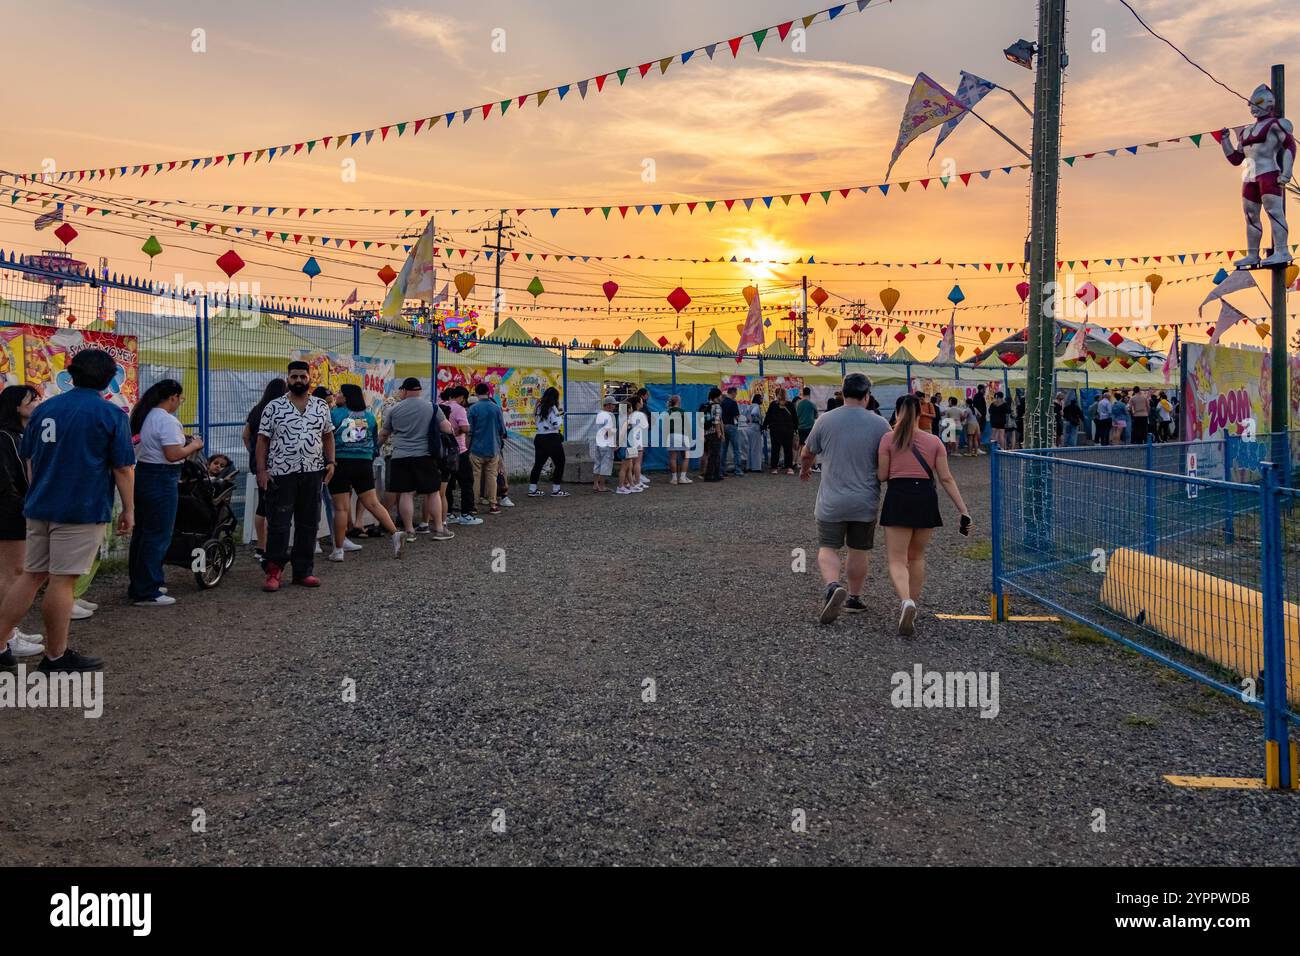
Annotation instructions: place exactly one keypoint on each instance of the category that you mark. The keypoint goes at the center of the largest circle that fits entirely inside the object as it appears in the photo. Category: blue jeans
(731, 437)
(155, 517)
(1071, 435)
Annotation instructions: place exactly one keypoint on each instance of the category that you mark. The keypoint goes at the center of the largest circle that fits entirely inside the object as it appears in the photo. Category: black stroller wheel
(214, 565)
(228, 547)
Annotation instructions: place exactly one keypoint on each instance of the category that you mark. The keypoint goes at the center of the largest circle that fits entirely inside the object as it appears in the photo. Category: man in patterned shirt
(295, 454)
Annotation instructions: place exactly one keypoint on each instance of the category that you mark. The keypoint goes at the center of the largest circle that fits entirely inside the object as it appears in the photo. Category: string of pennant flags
(622, 209)
(463, 115)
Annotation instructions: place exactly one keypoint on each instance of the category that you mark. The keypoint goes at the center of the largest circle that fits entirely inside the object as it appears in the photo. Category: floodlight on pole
(1021, 53)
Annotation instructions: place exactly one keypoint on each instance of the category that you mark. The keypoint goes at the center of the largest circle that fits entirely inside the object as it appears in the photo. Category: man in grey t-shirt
(414, 467)
(848, 498)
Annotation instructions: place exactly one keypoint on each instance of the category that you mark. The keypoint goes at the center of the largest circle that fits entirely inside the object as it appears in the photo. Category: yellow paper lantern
(831, 322)
(1155, 280)
(1292, 273)
(1262, 329)
(465, 284)
(889, 299)
(985, 335)
(749, 292)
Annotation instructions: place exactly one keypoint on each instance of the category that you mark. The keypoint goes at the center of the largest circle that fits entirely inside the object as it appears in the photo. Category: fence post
(356, 337)
(205, 382)
(433, 365)
(673, 358)
(1151, 495)
(1229, 530)
(564, 385)
(908, 367)
(998, 600)
(1277, 755)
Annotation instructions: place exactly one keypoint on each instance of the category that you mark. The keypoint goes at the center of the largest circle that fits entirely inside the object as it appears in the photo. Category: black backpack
(444, 449)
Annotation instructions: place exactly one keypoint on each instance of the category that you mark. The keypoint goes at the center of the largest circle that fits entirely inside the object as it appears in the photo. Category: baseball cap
(412, 385)
(610, 399)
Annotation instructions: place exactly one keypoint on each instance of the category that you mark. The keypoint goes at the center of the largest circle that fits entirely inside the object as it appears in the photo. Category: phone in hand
(964, 528)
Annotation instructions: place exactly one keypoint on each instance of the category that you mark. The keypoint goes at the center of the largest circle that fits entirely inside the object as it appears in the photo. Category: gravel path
(521, 692)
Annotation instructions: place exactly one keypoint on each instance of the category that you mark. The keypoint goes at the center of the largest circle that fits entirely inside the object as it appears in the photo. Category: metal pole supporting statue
(1267, 148)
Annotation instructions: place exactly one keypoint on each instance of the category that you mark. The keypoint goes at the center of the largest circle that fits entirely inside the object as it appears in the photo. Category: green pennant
(605, 210)
(528, 256)
(505, 104)
(759, 37)
(230, 158)
(944, 180)
(284, 237)
(622, 74)
(1070, 263)
(1069, 160)
(401, 128)
(311, 144)
(710, 204)
(826, 197)
(193, 225)
(1196, 138)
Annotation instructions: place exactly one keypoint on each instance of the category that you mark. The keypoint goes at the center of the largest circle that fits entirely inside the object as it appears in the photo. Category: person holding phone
(909, 459)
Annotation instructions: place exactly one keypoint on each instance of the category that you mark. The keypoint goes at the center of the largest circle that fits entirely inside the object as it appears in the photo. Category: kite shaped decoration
(928, 105)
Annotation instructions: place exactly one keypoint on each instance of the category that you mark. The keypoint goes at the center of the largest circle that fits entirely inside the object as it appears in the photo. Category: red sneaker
(272, 582)
(310, 581)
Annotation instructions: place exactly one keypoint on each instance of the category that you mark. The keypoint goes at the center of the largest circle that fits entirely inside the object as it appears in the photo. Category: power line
(1173, 47)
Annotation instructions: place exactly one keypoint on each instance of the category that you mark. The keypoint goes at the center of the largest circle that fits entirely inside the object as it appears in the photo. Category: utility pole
(803, 321)
(496, 291)
(1281, 380)
(1046, 167)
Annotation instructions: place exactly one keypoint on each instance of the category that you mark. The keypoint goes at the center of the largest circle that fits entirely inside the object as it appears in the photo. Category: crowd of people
(317, 452)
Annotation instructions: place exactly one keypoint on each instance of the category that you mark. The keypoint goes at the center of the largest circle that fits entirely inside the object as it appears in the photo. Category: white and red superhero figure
(1267, 148)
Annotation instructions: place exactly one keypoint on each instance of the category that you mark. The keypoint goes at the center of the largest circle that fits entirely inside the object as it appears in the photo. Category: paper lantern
(1155, 280)
(1022, 289)
(956, 295)
(899, 336)
(1220, 276)
(72, 319)
(535, 288)
(889, 299)
(151, 248)
(1163, 333)
(1010, 358)
(1262, 329)
(819, 296)
(1087, 294)
(961, 350)
(678, 299)
(1115, 339)
(66, 233)
(663, 341)
(610, 289)
(1292, 273)
(230, 263)
(465, 284)
(831, 322)
(749, 292)
(921, 338)
(985, 335)
(312, 269)
(740, 327)
(617, 343)
(386, 274)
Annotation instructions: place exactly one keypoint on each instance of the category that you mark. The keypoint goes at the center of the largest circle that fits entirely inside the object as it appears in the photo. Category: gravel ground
(517, 696)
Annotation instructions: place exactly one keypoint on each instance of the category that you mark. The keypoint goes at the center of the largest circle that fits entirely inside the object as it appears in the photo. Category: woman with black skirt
(781, 424)
(911, 460)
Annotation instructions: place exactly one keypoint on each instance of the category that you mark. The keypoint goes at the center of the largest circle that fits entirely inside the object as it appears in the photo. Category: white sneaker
(336, 555)
(907, 618)
(162, 600)
(79, 613)
(318, 548)
(506, 502)
(25, 645)
(636, 489)
(683, 480)
(91, 606)
(672, 480)
(622, 491)
(397, 537)
(470, 520)
(350, 545)
(645, 481)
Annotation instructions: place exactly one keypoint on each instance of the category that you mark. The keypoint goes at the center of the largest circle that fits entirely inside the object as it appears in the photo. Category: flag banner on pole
(928, 105)
(1235, 282)
(970, 91)
(752, 334)
(418, 264)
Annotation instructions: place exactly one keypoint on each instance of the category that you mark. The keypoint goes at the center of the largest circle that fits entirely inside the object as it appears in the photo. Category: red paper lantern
(1115, 339)
(679, 299)
(66, 233)
(1010, 358)
(610, 288)
(386, 274)
(230, 263)
(663, 341)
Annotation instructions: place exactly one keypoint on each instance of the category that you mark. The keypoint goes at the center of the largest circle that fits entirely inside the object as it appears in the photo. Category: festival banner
(11, 355)
(766, 385)
(517, 390)
(48, 351)
(377, 377)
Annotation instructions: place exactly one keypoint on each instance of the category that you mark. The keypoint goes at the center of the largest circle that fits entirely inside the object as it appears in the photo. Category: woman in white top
(161, 447)
(548, 445)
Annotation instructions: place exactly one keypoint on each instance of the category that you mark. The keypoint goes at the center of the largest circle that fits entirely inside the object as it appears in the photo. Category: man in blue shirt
(731, 433)
(487, 428)
(77, 447)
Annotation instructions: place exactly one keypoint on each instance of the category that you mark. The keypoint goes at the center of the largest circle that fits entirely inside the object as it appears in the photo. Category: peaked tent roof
(714, 345)
(780, 350)
(652, 365)
(508, 331)
(507, 346)
(903, 355)
(854, 353)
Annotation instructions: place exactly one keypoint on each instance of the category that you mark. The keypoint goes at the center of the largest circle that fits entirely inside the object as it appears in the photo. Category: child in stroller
(203, 539)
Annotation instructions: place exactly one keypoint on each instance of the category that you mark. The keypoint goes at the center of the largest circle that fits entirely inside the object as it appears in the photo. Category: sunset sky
(94, 87)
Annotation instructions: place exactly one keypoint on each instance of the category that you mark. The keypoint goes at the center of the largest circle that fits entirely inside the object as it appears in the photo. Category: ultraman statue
(1267, 149)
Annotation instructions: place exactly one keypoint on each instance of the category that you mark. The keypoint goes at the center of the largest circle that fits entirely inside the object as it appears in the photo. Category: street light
(1021, 53)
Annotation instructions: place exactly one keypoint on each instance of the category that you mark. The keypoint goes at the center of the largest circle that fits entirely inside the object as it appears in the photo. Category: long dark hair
(154, 396)
(550, 400)
(354, 397)
(10, 400)
(905, 425)
(274, 389)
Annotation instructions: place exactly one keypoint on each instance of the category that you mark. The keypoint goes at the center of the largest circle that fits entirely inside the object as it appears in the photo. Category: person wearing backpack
(909, 460)
(356, 446)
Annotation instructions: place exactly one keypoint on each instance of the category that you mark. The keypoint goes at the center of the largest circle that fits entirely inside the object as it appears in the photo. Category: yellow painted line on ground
(1022, 618)
(1217, 783)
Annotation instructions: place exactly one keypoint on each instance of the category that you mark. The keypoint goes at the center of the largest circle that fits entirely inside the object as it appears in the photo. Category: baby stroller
(203, 538)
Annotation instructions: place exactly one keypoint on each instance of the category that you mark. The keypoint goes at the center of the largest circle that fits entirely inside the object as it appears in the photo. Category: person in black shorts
(16, 405)
(415, 470)
(356, 444)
